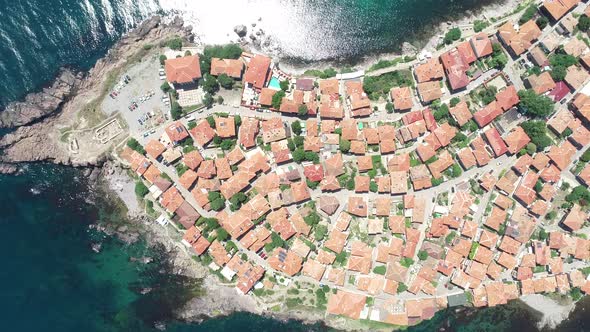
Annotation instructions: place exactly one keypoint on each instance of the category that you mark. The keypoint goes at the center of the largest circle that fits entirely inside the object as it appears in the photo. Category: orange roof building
(258, 71)
(429, 71)
(402, 98)
(231, 67)
(183, 70)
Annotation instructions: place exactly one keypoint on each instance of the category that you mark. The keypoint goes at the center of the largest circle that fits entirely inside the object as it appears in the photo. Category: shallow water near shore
(50, 271)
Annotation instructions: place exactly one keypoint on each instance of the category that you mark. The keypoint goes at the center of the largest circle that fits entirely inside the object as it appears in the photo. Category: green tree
(558, 73)
(208, 100)
(298, 155)
(528, 14)
(284, 85)
(134, 145)
(227, 144)
(542, 22)
(534, 105)
(562, 59)
(498, 59)
(211, 121)
(480, 25)
(389, 107)
(454, 101)
(452, 35)
(381, 269)
(302, 110)
(140, 189)
(175, 111)
(175, 43)
(537, 131)
(296, 127)
(225, 81)
(422, 255)
(163, 59)
(344, 145)
(531, 148)
(320, 232)
(277, 99)
(217, 202)
(584, 23)
(210, 84)
(165, 87)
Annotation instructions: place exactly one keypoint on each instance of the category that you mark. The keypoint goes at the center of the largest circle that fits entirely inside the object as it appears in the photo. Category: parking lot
(139, 101)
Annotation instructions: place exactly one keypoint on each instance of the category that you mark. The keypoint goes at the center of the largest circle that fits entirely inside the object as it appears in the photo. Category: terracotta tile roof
(285, 261)
(402, 98)
(154, 148)
(479, 151)
(576, 76)
(430, 71)
(357, 206)
(575, 218)
(522, 40)
(466, 158)
(334, 165)
(273, 130)
(399, 183)
(248, 131)
(461, 113)
(456, 64)
(541, 83)
(186, 215)
(152, 174)
(183, 70)
(503, 202)
(420, 177)
(429, 91)
(516, 140)
(487, 114)
(346, 304)
(482, 45)
(539, 57)
(507, 98)
(313, 269)
(202, 133)
(193, 238)
(176, 132)
(171, 199)
(330, 183)
(258, 71)
(487, 181)
(488, 239)
(496, 142)
(225, 127)
(400, 162)
(507, 183)
(230, 67)
(329, 87)
(445, 160)
(467, 52)
(558, 8)
(336, 241)
(562, 155)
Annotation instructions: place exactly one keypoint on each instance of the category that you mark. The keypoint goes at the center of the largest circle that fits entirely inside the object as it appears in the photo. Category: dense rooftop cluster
(461, 194)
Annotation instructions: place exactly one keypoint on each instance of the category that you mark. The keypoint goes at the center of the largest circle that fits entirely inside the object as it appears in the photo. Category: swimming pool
(274, 83)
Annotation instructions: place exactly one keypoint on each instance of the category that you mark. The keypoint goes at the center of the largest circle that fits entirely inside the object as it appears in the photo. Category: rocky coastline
(38, 121)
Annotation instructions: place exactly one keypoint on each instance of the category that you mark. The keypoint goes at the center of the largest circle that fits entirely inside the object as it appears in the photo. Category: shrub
(208, 100)
(422, 255)
(175, 111)
(479, 25)
(134, 145)
(284, 85)
(537, 131)
(163, 59)
(528, 14)
(296, 127)
(140, 189)
(452, 35)
(584, 23)
(225, 81)
(175, 43)
(377, 86)
(277, 99)
(165, 87)
(542, 22)
(381, 269)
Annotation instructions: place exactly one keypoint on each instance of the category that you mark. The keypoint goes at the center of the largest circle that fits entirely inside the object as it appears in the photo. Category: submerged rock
(241, 30)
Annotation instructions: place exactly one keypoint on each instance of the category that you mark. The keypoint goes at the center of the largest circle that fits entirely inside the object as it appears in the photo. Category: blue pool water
(274, 83)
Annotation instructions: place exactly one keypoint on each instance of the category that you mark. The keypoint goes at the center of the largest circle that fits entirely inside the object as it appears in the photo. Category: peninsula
(457, 177)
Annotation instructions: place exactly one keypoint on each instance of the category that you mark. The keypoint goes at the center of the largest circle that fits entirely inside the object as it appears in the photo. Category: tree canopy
(534, 105)
(452, 35)
(537, 131)
(225, 81)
